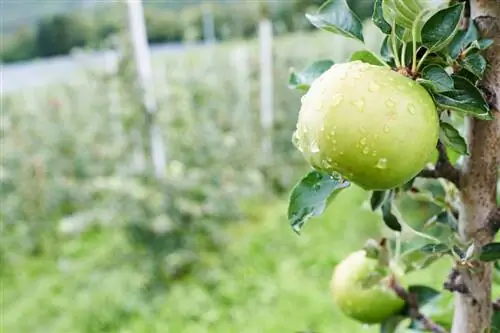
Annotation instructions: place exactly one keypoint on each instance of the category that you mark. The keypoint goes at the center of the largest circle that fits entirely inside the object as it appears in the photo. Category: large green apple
(369, 123)
(359, 288)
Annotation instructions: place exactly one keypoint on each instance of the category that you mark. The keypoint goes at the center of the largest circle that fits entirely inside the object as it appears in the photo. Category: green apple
(360, 290)
(374, 126)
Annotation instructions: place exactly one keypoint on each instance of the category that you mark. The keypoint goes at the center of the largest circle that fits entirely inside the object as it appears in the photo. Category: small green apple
(360, 290)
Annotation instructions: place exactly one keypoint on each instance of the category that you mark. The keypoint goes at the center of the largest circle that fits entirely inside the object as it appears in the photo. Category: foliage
(430, 45)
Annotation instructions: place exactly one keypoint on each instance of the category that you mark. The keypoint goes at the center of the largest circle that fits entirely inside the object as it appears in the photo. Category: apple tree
(419, 118)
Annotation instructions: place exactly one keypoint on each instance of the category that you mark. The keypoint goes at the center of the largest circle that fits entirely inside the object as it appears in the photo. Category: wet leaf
(490, 252)
(440, 29)
(435, 78)
(311, 196)
(451, 137)
(465, 98)
(335, 16)
(303, 80)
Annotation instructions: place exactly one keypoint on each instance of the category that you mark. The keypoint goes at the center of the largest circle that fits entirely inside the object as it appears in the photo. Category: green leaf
(495, 322)
(475, 63)
(390, 325)
(450, 136)
(483, 44)
(368, 57)
(336, 16)
(440, 29)
(465, 98)
(378, 18)
(447, 218)
(385, 49)
(377, 199)
(439, 248)
(389, 219)
(303, 80)
(423, 293)
(490, 252)
(311, 196)
(436, 78)
(462, 39)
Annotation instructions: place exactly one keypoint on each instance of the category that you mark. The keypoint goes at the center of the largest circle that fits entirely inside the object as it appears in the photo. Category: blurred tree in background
(58, 34)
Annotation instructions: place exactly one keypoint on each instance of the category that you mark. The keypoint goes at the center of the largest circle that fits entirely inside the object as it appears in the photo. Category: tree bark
(478, 179)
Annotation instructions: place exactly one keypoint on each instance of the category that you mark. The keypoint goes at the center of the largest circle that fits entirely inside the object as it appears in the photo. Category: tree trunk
(473, 310)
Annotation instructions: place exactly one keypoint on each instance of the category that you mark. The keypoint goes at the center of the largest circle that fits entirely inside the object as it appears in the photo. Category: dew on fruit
(390, 103)
(411, 109)
(341, 153)
(386, 128)
(363, 141)
(373, 87)
(382, 163)
(336, 99)
(359, 104)
(365, 151)
(314, 147)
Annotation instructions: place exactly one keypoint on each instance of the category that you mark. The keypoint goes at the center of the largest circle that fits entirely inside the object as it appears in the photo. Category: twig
(454, 283)
(414, 311)
(443, 169)
(496, 305)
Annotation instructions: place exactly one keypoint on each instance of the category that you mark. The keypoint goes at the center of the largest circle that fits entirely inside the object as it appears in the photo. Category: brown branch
(413, 307)
(443, 169)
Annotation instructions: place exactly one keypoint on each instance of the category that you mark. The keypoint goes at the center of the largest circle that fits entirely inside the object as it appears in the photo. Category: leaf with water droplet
(335, 16)
(465, 98)
(451, 137)
(303, 80)
(475, 63)
(311, 196)
(435, 78)
(440, 29)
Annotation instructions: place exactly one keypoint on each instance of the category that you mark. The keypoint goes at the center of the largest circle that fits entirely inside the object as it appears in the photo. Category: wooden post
(142, 60)
(241, 115)
(266, 83)
(208, 23)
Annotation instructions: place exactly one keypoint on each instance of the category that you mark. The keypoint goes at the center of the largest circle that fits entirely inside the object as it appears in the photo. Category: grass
(268, 280)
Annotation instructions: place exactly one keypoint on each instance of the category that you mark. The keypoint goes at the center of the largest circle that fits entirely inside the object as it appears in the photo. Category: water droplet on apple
(336, 99)
(314, 147)
(365, 151)
(374, 87)
(374, 153)
(363, 141)
(359, 104)
(386, 128)
(390, 103)
(411, 109)
(341, 153)
(382, 163)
